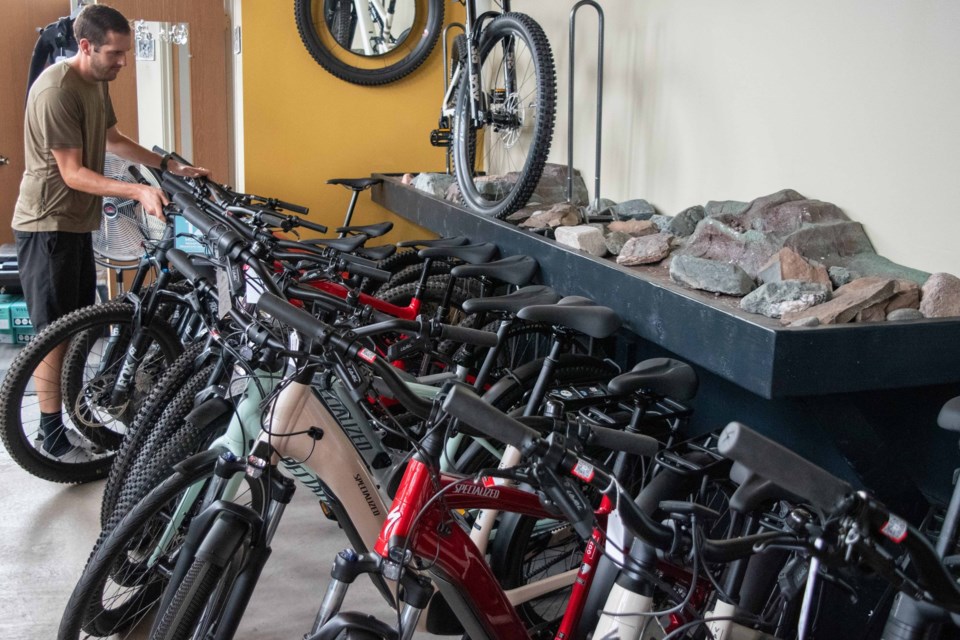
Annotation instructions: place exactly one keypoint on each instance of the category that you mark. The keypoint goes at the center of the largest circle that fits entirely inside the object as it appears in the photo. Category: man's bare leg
(46, 377)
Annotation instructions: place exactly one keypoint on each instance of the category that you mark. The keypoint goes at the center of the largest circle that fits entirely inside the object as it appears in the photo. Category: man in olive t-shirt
(68, 126)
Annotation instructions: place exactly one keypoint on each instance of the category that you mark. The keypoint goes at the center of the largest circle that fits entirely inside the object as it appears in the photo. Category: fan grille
(124, 225)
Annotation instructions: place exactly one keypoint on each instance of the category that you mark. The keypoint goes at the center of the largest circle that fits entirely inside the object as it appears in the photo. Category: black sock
(54, 435)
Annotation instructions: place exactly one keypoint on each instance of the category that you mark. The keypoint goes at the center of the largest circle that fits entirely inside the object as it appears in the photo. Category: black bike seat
(591, 319)
(536, 294)
(663, 376)
(455, 241)
(344, 245)
(355, 184)
(949, 417)
(516, 270)
(369, 230)
(472, 253)
(377, 253)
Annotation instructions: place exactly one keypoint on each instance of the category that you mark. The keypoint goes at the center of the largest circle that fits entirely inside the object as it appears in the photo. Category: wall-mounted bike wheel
(356, 43)
(511, 139)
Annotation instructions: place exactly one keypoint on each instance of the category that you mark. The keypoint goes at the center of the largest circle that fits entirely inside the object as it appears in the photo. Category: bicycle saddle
(663, 376)
(949, 417)
(344, 245)
(577, 313)
(355, 184)
(377, 253)
(516, 270)
(369, 230)
(472, 253)
(455, 241)
(512, 303)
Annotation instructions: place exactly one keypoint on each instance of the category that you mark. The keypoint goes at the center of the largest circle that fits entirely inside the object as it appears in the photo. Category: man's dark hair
(95, 20)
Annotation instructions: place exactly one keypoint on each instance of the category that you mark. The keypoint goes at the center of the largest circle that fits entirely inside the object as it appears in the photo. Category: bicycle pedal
(441, 137)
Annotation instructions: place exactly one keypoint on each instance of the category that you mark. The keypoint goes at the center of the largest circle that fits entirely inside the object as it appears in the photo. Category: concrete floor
(48, 531)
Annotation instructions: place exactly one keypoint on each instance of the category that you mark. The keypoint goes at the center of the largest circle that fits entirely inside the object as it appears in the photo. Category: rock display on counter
(798, 259)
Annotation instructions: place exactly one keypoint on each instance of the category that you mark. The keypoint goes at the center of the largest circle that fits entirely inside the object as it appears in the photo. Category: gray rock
(724, 207)
(436, 184)
(826, 242)
(604, 205)
(495, 186)
(871, 264)
(811, 321)
(904, 314)
(773, 299)
(710, 275)
(840, 276)
(615, 241)
(584, 237)
(662, 221)
(552, 187)
(645, 250)
(684, 223)
(520, 215)
(638, 209)
(940, 296)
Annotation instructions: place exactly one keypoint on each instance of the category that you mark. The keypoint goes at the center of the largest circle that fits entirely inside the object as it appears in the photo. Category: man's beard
(104, 72)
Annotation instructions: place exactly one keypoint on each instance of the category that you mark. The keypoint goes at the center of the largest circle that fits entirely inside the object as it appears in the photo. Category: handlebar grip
(466, 335)
(290, 315)
(367, 271)
(783, 467)
(616, 440)
(296, 208)
(181, 262)
(198, 218)
(355, 259)
(467, 406)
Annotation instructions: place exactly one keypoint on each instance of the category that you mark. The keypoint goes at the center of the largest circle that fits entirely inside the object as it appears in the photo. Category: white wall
(849, 101)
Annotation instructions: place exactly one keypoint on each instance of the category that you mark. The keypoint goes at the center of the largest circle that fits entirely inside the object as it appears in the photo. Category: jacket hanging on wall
(56, 41)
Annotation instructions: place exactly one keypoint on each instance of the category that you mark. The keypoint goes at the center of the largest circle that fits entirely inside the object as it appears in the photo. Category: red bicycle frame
(417, 522)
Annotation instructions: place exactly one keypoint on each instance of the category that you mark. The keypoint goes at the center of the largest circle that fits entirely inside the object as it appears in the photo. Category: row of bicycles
(493, 473)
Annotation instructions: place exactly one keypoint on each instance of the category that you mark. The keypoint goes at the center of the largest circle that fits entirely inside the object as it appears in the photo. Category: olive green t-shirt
(63, 111)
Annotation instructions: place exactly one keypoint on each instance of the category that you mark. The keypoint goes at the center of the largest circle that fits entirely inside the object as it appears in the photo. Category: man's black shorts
(57, 273)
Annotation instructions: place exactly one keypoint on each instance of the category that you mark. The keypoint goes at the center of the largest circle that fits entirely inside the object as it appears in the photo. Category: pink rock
(787, 264)
(561, 214)
(940, 296)
(645, 250)
(407, 178)
(848, 301)
(907, 296)
(635, 228)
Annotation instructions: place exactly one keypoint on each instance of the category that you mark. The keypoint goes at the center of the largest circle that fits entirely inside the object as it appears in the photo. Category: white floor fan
(124, 227)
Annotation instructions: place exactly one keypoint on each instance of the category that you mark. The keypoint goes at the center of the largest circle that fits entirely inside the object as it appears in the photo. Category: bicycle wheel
(173, 440)
(102, 333)
(383, 57)
(161, 415)
(511, 140)
(147, 416)
(120, 584)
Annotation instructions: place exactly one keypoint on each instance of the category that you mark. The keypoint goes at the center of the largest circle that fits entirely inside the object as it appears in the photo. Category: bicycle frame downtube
(459, 567)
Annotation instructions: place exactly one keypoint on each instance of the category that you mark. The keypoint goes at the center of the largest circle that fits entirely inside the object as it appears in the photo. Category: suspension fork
(143, 314)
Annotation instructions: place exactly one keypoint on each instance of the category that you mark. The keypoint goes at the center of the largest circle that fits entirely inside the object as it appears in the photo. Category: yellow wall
(302, 126)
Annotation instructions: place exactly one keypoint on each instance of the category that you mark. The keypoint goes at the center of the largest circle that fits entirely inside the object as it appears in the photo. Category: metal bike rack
(596, 176)
(446, 68)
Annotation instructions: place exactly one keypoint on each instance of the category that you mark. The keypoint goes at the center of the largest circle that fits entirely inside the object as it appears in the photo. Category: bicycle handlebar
(776, 463)
(181, 262)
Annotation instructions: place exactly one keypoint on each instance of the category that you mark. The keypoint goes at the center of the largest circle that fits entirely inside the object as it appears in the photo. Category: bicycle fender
(198, 460)
(354, 620)
(208, 411)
